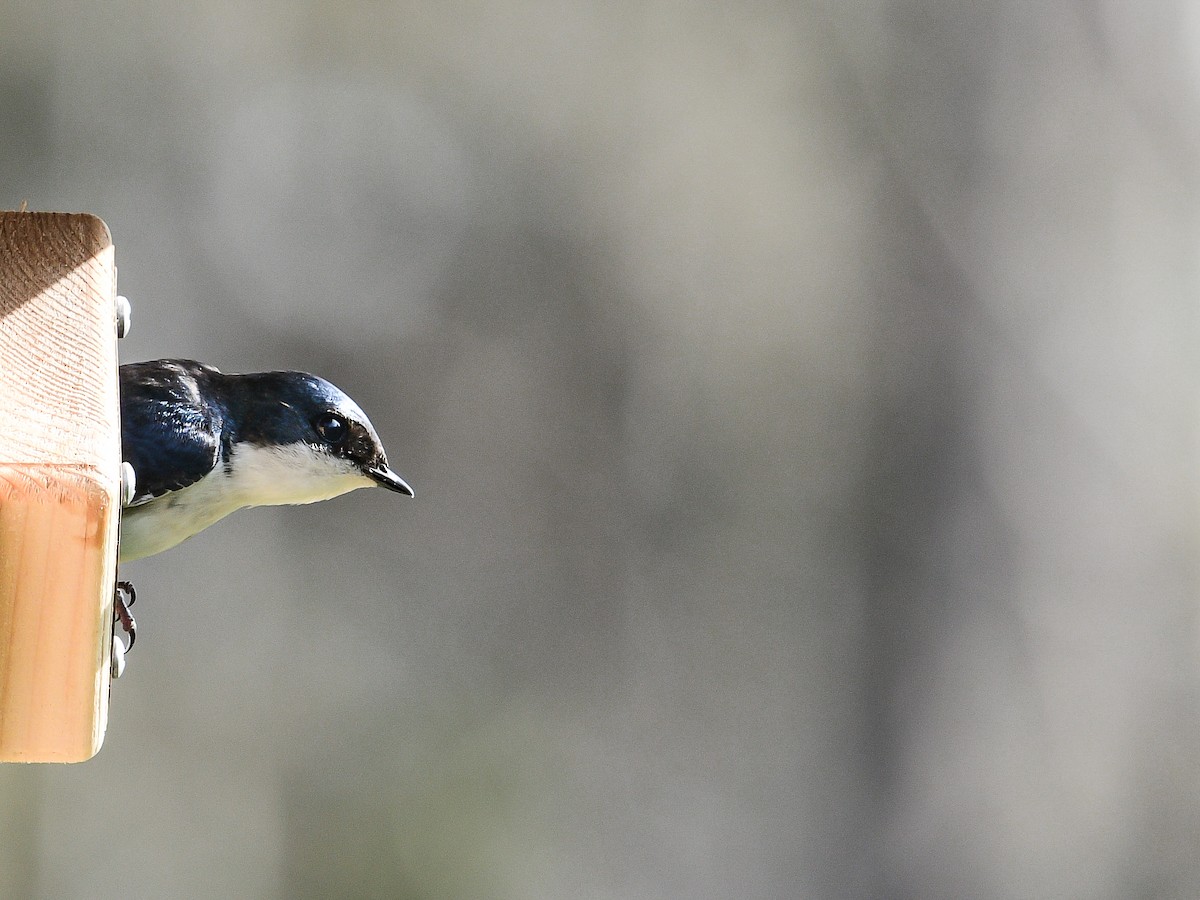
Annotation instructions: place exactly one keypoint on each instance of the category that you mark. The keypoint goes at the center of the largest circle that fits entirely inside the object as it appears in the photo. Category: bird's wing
(169, 435)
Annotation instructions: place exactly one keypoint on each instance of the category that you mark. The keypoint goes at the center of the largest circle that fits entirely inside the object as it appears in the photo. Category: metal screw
(128, 484)
(117, 668)
(124, 310)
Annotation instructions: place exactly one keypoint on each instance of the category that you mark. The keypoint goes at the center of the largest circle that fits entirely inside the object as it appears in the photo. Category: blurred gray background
(801, 403)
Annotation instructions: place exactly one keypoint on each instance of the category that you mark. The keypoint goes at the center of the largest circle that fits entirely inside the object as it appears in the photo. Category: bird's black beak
(385, 477)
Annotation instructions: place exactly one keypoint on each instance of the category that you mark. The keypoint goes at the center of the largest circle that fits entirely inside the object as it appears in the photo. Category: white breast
(259, 476)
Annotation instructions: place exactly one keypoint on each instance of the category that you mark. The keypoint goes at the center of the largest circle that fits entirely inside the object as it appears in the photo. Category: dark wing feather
(169, 433)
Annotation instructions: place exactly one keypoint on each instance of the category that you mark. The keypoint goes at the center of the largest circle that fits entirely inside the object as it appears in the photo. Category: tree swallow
(203, 444)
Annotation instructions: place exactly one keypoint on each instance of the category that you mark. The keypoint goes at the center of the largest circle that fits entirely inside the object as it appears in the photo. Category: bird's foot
(123, 598)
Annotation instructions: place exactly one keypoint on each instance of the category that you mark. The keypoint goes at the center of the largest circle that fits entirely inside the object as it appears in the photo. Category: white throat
(286, 474)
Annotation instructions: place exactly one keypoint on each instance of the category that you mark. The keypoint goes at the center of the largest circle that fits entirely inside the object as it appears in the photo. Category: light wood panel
(59, 483)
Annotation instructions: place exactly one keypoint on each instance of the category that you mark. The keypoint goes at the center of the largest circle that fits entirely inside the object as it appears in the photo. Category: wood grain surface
(59, 483)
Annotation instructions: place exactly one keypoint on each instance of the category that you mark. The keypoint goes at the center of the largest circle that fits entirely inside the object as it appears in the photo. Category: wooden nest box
(60, 459)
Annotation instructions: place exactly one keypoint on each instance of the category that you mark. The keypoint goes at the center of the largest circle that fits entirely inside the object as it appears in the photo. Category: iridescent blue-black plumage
(203, 443)
(172, 423)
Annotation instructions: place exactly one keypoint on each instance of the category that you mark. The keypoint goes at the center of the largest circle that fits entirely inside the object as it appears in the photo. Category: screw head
(124, 311)
(117, 665)
(128, 484)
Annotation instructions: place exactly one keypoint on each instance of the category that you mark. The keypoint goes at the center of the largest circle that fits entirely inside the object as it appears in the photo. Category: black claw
(127, 587)
(121, 611)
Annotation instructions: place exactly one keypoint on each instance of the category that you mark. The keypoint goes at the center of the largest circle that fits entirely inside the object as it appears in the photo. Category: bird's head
(296, 438)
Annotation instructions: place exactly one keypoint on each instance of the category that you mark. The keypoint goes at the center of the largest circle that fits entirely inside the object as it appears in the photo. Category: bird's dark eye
(332, 428)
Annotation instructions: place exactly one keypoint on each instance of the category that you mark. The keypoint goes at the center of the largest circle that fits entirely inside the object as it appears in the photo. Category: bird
(203, 444)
